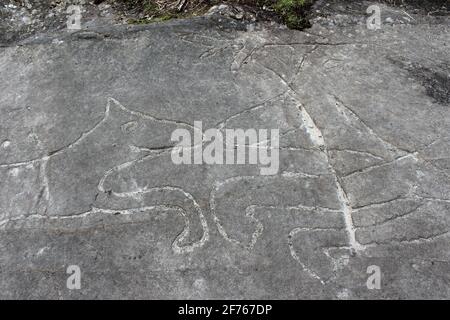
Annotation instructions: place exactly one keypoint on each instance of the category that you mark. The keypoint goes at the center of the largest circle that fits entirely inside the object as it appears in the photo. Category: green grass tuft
(293, 12)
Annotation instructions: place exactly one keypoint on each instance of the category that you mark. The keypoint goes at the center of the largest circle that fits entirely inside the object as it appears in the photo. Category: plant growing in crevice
(293, 12)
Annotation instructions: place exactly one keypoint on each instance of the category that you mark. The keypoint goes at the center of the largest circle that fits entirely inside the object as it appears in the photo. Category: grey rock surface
(86, 176)
(21, 19)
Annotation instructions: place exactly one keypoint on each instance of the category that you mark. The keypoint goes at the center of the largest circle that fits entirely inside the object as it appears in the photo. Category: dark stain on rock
(436, 82)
